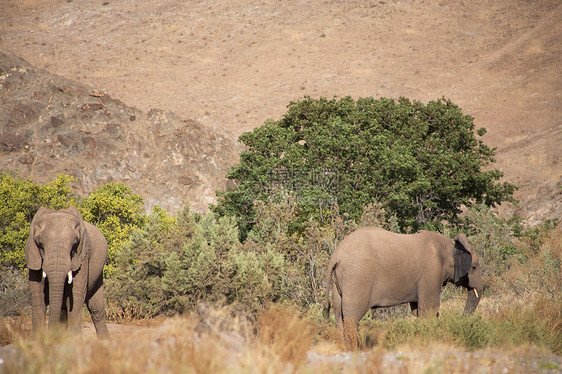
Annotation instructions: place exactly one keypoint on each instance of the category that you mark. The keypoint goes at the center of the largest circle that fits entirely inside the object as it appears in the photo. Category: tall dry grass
(286, 333)
(284, 340)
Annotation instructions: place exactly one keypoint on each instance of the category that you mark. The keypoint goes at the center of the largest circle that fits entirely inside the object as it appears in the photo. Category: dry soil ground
(233, 64)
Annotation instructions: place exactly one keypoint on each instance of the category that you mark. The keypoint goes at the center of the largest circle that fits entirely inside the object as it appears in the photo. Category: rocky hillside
(239, 62)
(51, 125)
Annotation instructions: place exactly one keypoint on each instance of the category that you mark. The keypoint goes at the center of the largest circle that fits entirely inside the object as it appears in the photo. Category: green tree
(19, 201)
(422, 162)
(116, 211)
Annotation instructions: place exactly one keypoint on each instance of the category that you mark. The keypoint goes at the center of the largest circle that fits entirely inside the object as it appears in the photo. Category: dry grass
(286, 333)
(217, 340)
(539, 274)
(13, 328)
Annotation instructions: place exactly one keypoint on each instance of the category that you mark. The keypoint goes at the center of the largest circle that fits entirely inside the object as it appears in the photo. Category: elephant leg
(354, 307)
(428, 301)
(74, 305)
(337, 308)
(38, 300)
(97, 312)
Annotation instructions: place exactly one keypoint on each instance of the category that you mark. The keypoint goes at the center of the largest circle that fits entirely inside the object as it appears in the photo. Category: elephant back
(98, 243)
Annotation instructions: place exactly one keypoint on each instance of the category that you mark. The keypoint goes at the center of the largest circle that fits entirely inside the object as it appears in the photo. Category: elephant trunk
(57, 283)
(472, 300)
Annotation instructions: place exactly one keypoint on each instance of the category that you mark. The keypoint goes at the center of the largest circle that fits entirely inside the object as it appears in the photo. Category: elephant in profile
(373, 268)
(65, 256)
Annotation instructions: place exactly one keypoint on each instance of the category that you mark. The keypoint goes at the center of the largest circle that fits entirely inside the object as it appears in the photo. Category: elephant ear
(84, 241)
(462, 257)
(33, 257)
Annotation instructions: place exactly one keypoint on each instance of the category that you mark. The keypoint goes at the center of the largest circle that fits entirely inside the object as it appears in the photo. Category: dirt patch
(234, 64)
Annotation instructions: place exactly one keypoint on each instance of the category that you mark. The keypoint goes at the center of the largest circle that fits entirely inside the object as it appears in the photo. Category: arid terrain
(230, 65)
(155, 93)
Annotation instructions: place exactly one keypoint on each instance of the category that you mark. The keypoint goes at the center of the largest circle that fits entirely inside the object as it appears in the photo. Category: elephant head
(467, 272)
(56, 248)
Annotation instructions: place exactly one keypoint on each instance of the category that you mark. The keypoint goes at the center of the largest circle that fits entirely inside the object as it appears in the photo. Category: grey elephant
(374, 268)
(65, 256)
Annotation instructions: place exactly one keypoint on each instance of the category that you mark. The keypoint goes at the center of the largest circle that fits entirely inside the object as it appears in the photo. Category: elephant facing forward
(65, 257)
(374, 268)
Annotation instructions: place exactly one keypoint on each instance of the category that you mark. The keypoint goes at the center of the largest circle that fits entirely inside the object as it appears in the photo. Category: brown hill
(51, 125)
(237, 63)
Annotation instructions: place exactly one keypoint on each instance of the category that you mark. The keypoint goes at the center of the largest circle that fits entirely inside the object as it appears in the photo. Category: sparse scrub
(286, 333)
(539, 270)
(196, 259)
(508, 327)
(13, 329)
(219, 340)
(136, 283)
(15, 297)
(494, 239)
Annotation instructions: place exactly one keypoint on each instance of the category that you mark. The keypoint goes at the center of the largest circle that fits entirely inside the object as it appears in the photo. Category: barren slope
(51, 125)
(233, 64)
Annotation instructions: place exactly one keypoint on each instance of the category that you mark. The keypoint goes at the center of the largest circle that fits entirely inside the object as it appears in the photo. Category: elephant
(373, 268)
(65, 256)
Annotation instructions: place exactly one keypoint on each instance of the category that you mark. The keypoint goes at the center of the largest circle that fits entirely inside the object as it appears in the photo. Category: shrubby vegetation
(421, 162)
(266, 245)
(169, 270)
(116, 211)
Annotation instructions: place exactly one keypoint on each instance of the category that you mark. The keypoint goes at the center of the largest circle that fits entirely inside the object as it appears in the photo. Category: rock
(54, 125)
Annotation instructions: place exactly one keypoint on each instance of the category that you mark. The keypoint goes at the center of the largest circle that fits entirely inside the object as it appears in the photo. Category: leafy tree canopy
(422, 162)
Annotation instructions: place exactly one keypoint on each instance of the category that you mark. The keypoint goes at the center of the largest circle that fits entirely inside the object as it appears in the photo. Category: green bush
(537, 270)
(169, 271)
(257, 279)
(19, 201)
(167, 267)
(493, 238)
(136, 282)
(116, 211)
(422, 162)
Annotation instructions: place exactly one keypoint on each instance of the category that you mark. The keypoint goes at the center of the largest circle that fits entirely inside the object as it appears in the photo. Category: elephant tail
(329, 278)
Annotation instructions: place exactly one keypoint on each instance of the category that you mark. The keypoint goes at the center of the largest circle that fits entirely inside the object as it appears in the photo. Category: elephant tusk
(70, 278)
(476, 293)
(44, 274)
